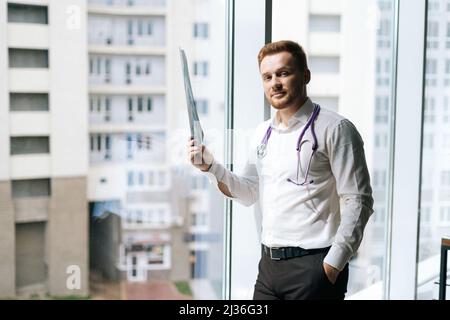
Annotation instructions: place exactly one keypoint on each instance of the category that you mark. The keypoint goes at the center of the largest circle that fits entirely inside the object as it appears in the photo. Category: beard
(286, 100)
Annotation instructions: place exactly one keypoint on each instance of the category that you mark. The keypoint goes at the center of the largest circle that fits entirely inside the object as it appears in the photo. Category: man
(310, 175)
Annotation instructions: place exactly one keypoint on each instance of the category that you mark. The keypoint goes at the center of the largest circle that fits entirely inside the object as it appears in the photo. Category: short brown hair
(281, 46)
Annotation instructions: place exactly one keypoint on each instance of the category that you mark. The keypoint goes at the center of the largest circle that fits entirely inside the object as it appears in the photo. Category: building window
(30, 188)
(381, 109)
(202, 106)
(92, 143)
(431, 67)
(130, 180)
(23, 13)
(140, 27)
(149, 104)
(445, 178)
(384, 28)
(130, 109)
(28, 102)
(28, 58)
(201, 68)
(444, 216)
(29, 145)
(139, 104)
(149, 28)
(129, 146)
(201, 30)
(429, 116)
(138, 69)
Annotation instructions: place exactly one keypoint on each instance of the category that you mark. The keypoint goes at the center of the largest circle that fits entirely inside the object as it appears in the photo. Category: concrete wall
(68, 235)
(7, 242)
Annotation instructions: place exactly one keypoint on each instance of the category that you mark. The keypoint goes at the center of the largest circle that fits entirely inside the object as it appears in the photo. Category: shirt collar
(301, 116)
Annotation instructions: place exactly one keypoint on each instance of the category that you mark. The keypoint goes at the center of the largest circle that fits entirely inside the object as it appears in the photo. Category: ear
(307, 76)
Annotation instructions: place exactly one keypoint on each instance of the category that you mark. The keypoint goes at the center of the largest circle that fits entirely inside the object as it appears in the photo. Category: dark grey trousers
(301, 278)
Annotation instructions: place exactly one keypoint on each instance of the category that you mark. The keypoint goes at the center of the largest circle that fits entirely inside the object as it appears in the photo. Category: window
(384, 27)
(30, 188)
(22, 13)
(29, 145)
(149, 104)
(130, 178)
(139, 104)
(429, 110)
(434, 151)
(201, 30)
(431, 66)
(91, 66)
(444, 217)
(140, 27)
(202, 106)
(28, 101)
(149, 28)
(201, 68)
(327, 38)
(28, 58)
(381, 110)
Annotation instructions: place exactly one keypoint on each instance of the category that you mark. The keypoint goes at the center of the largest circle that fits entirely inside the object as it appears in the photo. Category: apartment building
(199, 28)
(43, 148)
(130, 175)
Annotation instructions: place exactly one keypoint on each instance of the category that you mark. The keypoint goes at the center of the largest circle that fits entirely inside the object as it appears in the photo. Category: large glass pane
(98, 199)
(164, 236)
(350, 47)
(435, 187)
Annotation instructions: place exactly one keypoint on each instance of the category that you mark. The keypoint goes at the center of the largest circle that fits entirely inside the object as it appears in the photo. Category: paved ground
(150, 290)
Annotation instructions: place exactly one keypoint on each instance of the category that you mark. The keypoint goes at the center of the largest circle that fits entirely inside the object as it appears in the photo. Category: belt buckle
(271, 256)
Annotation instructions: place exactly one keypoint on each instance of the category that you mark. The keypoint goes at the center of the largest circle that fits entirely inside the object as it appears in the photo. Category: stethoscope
(261, 150)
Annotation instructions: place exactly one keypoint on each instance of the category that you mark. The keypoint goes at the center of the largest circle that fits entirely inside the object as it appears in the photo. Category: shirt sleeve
(244, 188)
(349, 167)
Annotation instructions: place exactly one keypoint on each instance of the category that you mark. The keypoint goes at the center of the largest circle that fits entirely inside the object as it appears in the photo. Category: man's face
(284, 83)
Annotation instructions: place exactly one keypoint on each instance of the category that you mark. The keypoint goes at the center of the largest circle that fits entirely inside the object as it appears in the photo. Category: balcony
(135, 89)
(128, 7)
(123, 49)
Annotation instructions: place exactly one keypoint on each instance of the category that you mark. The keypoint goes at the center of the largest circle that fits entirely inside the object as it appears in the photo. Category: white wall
(68, 87)
(4, 95)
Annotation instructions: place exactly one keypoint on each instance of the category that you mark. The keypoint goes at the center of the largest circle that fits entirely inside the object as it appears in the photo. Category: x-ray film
(194, 121)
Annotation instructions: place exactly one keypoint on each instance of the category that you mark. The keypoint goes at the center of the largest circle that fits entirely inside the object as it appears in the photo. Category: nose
(276, 83)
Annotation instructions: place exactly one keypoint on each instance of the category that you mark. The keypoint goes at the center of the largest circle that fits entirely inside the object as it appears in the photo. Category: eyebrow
(285, 68)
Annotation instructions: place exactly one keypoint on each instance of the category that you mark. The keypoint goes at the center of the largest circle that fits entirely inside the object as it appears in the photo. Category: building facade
(43, 148)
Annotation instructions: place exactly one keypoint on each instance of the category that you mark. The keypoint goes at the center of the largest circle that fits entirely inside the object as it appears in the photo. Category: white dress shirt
(331, 211)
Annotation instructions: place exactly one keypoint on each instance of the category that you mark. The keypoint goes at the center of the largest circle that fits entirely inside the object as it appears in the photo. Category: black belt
(290, 252)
